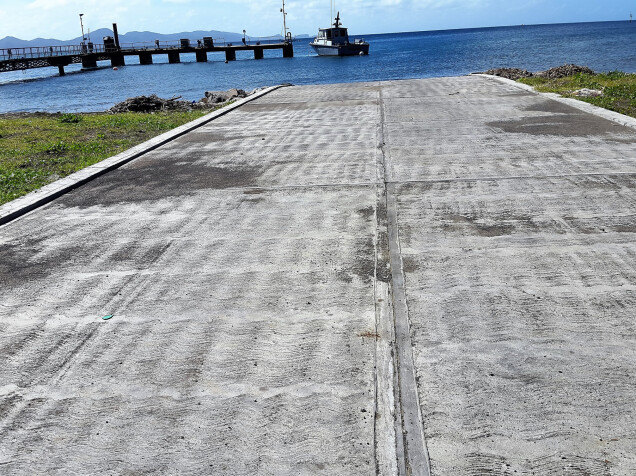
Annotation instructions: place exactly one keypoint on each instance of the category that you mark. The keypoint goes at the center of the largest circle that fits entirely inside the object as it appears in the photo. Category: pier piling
(89, 61)
(117, 59)
(145, 58)
(258, 53)
(230, 55)
(202, 56)
(173, 57)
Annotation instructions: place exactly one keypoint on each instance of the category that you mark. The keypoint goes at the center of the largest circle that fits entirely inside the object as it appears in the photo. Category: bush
(70, 118)
(58, 148)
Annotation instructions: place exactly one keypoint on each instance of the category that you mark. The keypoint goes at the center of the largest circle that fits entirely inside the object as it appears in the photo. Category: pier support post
(61, 70)
(117, 59)
(230, 55)
(145, 58)
(89, 62)
(258, 53)
(202, 56)
(173, 57)
(288, 50)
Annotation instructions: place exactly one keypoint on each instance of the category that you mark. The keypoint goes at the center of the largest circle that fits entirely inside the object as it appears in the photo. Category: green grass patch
(619, 89)
(37, 149)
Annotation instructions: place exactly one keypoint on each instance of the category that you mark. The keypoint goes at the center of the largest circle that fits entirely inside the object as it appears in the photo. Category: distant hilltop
(130, 37)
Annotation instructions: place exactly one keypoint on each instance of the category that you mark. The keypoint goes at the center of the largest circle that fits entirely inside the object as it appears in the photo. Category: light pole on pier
(82, 25)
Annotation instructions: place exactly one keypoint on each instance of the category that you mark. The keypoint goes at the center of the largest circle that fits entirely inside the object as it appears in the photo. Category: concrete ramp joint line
(416, 459)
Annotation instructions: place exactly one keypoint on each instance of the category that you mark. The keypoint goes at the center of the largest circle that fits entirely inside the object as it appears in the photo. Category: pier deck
(16, 59)
(446, 283)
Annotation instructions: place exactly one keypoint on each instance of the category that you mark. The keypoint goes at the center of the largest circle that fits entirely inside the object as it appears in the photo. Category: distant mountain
(130, 37)
(13, 42)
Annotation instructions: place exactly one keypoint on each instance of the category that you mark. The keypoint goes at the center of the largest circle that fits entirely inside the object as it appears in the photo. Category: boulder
(509, 73)
(217, 97)
(564, 71)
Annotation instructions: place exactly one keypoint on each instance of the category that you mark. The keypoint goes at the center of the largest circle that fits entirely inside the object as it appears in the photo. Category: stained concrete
(516, 230)
(274, 277)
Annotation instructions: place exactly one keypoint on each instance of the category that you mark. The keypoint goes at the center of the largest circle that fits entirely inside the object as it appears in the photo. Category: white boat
(335, 42)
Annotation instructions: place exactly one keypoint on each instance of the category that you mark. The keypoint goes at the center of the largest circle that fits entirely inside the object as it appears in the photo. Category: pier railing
(35, 52)
(88, 54)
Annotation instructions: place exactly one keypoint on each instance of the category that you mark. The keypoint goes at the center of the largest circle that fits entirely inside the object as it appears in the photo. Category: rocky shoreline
(153, 103)
(552, 73)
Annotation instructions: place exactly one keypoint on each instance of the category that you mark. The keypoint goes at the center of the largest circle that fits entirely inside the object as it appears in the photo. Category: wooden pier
(16, 59)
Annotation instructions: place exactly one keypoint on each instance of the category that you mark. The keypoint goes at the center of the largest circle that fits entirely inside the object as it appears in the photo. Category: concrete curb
(581, 105)
(20, 206)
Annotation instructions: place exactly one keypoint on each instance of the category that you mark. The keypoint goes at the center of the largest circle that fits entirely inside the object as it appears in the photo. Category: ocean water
(604, 46)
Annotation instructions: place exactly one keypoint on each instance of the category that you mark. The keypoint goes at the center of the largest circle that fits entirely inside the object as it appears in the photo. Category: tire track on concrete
(414, 459)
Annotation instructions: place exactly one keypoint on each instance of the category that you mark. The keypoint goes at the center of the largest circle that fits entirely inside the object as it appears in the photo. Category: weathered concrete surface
(247, 267)
(516, 220)
(238, 262)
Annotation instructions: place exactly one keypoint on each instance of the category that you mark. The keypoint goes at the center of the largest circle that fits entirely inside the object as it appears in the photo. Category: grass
(37, 149)
(619, 89)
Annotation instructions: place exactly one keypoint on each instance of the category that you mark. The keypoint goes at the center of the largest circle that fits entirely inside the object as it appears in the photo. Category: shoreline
(46, 146)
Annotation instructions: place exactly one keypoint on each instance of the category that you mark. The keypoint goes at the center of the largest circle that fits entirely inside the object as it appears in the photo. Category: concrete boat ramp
(414, 277)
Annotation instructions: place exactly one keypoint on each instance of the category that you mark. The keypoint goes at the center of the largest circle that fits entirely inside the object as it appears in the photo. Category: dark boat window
(335, 33)
(329, 34)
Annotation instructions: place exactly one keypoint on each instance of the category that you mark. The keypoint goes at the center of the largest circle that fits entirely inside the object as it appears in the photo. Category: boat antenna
(333, 7)
(337, 24)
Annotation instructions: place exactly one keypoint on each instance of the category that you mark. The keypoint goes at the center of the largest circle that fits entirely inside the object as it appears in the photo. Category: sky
(59, 19)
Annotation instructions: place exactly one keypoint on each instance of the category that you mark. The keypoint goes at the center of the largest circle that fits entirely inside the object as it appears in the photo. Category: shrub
(70, 118)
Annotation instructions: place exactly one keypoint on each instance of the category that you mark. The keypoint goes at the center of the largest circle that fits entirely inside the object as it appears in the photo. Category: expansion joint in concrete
(411, 451)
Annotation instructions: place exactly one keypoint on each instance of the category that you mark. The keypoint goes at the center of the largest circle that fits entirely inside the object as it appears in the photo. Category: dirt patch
(458, 223)
(369, 335)
(552, 107)
(151, 180)
(625, 228)
(494, 230)
(366, 212)
(409, 264)
(567, 125)
(28, 261)
(565, 121)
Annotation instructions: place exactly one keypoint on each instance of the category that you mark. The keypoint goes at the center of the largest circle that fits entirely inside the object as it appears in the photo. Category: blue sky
(60, 18)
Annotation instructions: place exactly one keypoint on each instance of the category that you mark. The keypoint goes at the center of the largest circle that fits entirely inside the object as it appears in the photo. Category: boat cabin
(335, 35)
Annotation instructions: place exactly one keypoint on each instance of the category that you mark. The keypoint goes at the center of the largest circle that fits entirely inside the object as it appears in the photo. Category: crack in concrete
(412, 453)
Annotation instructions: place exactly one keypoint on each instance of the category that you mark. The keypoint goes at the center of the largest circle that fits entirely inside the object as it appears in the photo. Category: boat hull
(351, 49)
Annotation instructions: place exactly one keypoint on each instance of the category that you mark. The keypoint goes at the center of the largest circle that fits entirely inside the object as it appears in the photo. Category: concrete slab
(241, 280)
(516, 233)
(444, 286)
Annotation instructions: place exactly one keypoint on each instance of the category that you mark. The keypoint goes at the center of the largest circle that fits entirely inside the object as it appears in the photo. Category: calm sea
(602, 46)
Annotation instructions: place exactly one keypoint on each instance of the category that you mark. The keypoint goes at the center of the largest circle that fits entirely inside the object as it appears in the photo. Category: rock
(564, 71)
(588, 93)
(217, 97)
(150, 103)
(510, 73)
(153, 103)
